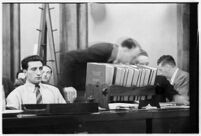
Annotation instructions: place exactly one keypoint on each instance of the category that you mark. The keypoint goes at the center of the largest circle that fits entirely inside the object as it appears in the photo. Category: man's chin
(38, 81)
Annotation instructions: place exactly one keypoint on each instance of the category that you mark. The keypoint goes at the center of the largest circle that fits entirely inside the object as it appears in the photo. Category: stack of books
(119, 74)
(134, 75)
(128, 76)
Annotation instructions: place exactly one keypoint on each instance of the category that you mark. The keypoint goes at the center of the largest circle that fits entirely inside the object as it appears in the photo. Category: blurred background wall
(154, 26)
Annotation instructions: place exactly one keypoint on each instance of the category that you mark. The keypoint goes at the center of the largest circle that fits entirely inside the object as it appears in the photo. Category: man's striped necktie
(38, 95)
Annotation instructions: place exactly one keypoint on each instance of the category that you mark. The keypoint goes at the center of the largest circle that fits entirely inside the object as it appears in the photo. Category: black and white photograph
(76, 67)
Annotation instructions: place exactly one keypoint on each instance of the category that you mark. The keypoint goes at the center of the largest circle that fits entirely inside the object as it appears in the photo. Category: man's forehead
(35, 64)
(160, 66)
(142, 58)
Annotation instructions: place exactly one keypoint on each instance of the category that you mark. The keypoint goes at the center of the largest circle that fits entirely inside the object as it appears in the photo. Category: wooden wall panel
(6, 41)
(82, 26)
(16, 39)
(73, 28)
(68, 26)
(11, 40)
(183, 36)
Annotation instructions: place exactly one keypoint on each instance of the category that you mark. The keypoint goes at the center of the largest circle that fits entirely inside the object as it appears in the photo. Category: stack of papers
(172, 105)
(119, 106)
(148, 107)
(11, 111)
(128, 106)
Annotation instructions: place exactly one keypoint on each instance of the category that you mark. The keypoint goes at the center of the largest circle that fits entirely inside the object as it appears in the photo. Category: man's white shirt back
(173, 76)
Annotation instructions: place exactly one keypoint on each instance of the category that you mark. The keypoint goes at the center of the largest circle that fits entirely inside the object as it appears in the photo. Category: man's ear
(25, 71)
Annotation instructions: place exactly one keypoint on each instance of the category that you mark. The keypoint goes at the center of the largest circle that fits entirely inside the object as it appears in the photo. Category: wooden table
(122, 121)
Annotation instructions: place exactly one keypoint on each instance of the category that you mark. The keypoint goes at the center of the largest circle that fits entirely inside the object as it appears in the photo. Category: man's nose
(38, 72)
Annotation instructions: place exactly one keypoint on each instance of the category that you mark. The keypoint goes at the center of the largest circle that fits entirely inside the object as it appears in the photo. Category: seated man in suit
(33, 91)
(73, 71)
(163, 87)
(177, 79)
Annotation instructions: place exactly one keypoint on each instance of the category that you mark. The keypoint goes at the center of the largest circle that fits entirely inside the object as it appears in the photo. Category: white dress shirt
(25, 94)
(173, 76)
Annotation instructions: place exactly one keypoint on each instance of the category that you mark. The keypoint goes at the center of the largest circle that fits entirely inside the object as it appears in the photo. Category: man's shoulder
(182, 76)
(183, 73)
(21, 87)
(101, 45)
(18, 90)
(49, 86)
(73, 55)
(101, 49)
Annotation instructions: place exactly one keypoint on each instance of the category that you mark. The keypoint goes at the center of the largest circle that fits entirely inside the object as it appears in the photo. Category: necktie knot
(37, 85)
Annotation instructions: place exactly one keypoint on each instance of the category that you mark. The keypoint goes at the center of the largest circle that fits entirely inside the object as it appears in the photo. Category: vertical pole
(51, 43)
(82, 25)
(42, 39)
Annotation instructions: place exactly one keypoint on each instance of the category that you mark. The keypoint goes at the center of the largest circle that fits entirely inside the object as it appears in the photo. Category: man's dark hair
(48, 67)
(26, 60)
(130, 43)
(166, 59)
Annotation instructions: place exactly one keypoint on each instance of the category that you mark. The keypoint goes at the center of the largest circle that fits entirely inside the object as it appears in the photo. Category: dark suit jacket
(164, 89)
(180, 86)
(7, 85)
(74, 64)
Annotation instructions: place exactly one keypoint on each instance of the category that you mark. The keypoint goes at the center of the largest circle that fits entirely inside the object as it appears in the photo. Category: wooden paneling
(6, 41)
(119, 121)
(73, 28)
(68, 26)
(171, 125)
(82, 26)
(16, 39)
(116, 126)
(11, 40)
(183, 36)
